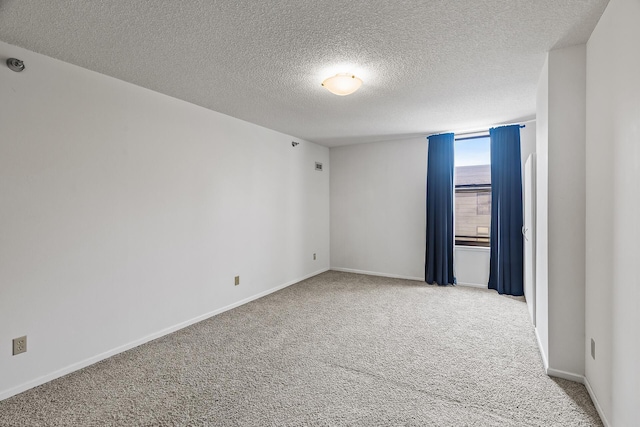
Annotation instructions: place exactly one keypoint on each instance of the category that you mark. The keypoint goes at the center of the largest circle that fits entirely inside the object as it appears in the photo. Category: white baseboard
(375, 273)
(472, 285)
(94, 359)
(594, 399)
(576, 378)
(571, 377)
(398, 276)
(582, 380)
(545, 362)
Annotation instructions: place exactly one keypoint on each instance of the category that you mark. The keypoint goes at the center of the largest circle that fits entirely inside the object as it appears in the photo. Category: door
(528, 230)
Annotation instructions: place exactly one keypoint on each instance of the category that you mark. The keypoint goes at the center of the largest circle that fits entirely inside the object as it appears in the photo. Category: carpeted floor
(338, 349)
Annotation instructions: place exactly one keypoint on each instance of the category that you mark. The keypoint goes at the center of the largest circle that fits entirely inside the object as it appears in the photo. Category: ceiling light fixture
(342, 84)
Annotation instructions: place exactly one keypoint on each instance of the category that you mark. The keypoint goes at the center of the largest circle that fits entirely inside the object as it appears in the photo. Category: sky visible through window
(470, 152)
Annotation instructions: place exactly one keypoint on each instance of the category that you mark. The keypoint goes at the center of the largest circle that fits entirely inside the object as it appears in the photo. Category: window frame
(472, 241)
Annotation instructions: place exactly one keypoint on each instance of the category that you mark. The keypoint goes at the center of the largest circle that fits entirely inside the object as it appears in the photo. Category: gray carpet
(335, 350)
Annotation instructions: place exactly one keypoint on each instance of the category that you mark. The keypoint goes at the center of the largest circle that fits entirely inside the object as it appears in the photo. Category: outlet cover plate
(237, 280)
(19, 345)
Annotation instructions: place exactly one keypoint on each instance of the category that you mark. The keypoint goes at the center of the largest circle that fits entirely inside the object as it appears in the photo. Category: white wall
(567, 120)
(125, 213)
(378, 209)
(527, 143)
(561, 211)
(378, 197)
(472, 265)
(542, 213)
(612, 212)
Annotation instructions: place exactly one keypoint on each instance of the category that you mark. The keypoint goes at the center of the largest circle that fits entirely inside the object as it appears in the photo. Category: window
(472, 191)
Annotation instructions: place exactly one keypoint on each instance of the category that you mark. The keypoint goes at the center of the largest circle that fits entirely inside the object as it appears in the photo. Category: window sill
(472, 248)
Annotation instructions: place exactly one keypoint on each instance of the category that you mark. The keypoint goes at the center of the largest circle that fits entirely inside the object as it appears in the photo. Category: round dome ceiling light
(342, 84)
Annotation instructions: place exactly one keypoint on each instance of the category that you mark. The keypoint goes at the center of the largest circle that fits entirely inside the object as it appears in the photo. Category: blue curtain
(506, 265)
(440, 233)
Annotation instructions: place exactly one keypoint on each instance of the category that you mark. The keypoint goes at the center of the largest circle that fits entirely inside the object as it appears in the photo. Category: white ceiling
(427, 66)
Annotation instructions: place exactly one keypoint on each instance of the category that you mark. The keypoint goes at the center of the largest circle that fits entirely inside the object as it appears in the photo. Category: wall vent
(319, 166)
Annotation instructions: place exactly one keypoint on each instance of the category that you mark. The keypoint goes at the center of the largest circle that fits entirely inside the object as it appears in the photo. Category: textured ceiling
(427, 66)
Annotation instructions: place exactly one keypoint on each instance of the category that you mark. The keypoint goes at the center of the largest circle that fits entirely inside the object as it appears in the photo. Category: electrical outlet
(19, 345)
(314, 257)
(593, 349)
(237, 280)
